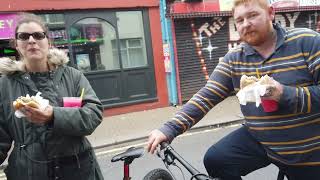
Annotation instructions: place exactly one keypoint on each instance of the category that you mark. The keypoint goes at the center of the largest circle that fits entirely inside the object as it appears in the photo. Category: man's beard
(256, 38)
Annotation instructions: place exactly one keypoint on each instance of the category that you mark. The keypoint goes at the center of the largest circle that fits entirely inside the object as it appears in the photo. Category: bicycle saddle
(129, 154)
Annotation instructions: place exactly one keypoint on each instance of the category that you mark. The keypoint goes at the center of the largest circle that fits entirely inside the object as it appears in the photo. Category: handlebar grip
(164, 144)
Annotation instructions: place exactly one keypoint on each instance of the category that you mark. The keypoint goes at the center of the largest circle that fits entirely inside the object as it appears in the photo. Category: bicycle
(136, 152)
(168, 155)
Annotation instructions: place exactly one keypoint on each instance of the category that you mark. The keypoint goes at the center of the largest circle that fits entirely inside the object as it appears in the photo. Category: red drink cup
(72, 102)
(269, 105)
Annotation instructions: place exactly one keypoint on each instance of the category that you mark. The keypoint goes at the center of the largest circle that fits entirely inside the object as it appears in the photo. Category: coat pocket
(80, 167)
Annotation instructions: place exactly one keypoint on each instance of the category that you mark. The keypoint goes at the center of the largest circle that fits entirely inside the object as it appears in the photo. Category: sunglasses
(23, 36)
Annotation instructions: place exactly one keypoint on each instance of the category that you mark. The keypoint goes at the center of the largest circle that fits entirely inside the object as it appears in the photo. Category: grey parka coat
(36, 146)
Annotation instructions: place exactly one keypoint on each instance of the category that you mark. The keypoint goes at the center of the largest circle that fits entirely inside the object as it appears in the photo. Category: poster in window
(93, 32)
(83, 62)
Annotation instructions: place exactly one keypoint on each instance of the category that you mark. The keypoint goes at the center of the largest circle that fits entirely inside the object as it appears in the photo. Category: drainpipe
(168, 54)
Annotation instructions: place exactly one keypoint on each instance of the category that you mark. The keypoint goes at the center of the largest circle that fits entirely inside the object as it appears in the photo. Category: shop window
(53, 18)
(132, 52)
(6, 50)
(94, 42)
(111, 48)
(132, 41)
(91, 40)
(57, 30)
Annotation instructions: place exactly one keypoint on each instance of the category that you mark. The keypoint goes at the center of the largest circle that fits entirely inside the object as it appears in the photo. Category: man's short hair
(263, 3)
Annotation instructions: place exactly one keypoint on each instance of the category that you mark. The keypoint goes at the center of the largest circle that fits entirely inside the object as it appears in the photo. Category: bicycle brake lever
(165, 157)
(169, 159)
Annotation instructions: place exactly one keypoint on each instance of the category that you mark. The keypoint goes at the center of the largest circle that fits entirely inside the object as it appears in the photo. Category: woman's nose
(31, 39)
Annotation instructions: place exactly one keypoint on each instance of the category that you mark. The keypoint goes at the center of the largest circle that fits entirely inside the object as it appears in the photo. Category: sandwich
(252, 81)
(26, 101)
(247, 81)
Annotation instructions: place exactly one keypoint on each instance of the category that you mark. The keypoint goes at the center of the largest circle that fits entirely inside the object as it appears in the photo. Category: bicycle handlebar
(168, 150)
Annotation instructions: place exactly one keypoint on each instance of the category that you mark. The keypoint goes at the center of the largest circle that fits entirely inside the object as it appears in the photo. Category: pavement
(115, 130)
(125, 128)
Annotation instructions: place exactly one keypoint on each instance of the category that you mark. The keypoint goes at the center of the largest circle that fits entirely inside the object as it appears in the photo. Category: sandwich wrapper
(252, 93)
(43, 103)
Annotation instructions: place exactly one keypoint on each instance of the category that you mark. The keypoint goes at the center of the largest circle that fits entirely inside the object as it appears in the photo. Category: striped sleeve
(312, 93)
(217, 88)
(306, 99)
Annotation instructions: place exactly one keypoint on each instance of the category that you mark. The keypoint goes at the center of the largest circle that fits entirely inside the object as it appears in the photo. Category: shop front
(114, 48)
(205, 33)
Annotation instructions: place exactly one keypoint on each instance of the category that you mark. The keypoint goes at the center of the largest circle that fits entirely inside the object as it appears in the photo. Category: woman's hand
(37, 116)
(155, 138)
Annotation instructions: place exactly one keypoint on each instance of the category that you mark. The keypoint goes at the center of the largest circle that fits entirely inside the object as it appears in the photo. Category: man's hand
(274, 91)
(37, 116)
(155, 138)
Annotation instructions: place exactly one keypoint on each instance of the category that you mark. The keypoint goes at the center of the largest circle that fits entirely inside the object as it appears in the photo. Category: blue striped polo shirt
(290, 135)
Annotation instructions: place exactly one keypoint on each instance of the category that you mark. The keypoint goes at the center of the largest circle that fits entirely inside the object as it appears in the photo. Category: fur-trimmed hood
(56, 58)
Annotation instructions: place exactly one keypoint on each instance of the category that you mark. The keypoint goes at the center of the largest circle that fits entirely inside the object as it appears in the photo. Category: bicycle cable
(200, 174)
(174, 164)
(167, 165)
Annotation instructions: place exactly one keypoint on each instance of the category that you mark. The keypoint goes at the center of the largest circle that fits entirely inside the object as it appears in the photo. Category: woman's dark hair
(28, 18)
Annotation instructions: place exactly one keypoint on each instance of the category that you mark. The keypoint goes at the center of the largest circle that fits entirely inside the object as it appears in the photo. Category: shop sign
(225, 5)
(193, 7)
(309, 2)
(7, 25)
(293, 3)
(284, 3)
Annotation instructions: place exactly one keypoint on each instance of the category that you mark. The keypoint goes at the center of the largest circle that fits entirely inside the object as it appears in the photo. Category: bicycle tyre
(158, 174)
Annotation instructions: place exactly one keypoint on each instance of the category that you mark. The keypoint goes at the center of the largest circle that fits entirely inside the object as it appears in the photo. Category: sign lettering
(233, 33)
(309, 2)
(1, 24)
(10, 23)
(281, 18)
(212, 29)
(7, 23)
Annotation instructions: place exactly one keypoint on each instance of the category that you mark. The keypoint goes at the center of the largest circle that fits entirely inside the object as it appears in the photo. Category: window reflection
(94, 42)
(132, 42)
(91, 40)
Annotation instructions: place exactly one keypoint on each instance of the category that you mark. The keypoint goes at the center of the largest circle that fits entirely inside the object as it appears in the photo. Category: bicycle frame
(126, 171)
(127, 157)
(170, 155)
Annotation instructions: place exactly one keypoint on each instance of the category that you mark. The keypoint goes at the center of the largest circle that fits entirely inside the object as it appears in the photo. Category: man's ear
(271, 12)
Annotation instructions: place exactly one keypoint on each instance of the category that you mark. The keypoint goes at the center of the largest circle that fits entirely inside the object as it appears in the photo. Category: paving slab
(136, 125)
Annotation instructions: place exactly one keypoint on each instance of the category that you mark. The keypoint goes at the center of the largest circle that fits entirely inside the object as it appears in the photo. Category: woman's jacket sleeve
(5, 138)
(79, 121)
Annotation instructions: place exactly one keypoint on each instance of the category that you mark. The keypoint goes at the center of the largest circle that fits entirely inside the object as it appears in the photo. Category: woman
(48, 144)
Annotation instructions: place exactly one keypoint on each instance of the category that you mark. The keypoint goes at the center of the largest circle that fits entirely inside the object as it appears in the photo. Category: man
(288, 137)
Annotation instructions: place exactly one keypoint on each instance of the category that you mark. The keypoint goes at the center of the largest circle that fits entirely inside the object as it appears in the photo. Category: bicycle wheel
(158, 174)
